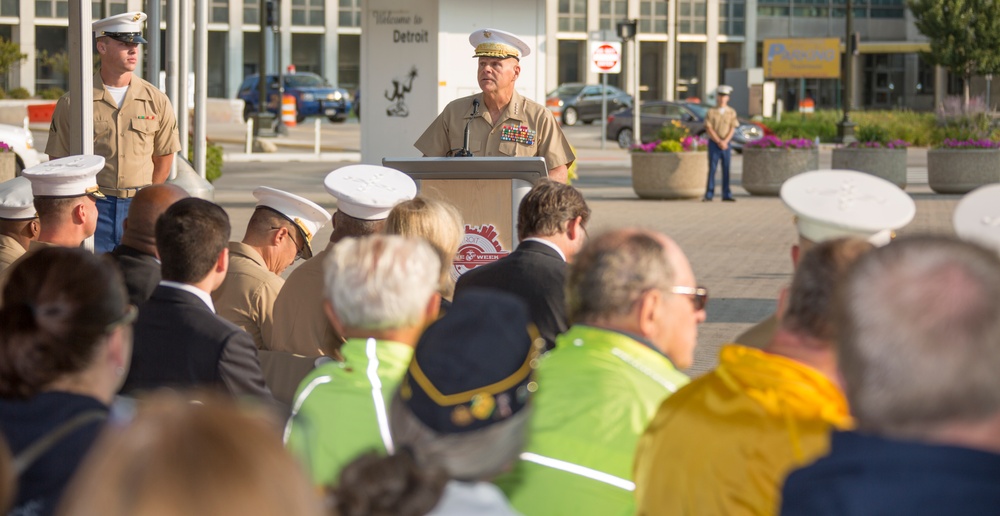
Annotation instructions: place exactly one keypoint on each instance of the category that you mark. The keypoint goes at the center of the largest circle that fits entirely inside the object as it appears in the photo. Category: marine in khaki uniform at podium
(19, 224)
(135, 127)
(501, 122)
(365, 195)
(280, 231)
(831, 204)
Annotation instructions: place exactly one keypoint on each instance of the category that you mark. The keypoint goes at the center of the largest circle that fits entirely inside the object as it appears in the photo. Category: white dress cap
(369, 192)
(724, 90)
(831, 204)
(125, 27)
(71, 176)
(977, 216)
(498, 43)
(16, 200)
(308, 216)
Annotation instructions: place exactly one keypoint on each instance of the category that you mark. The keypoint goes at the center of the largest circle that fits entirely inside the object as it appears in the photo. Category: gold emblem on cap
(487, 34)
(461, 416)
(483, 405)
(94, 191)
(136, 17)
(302, 227)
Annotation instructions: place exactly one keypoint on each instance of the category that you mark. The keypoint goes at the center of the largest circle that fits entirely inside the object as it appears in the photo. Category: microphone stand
(465, 152)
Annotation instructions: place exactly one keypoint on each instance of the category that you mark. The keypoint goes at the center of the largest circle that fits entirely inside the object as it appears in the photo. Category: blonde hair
(179, 457)
(436, 221)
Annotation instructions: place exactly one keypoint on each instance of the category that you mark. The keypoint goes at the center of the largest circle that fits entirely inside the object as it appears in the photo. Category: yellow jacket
(724, 443)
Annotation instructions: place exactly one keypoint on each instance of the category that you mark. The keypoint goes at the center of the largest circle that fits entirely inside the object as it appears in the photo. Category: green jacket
(341, 408)
(597, 390)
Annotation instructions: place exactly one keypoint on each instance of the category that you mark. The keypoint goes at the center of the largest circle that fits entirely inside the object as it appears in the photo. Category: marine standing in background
(508, 124)
(720, 124)
(135, 127)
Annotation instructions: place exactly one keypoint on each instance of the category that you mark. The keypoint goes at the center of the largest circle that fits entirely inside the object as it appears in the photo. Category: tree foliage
(10, 55)
(964, 35)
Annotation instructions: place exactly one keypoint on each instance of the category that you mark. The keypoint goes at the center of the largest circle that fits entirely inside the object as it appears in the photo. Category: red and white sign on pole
(605, 56)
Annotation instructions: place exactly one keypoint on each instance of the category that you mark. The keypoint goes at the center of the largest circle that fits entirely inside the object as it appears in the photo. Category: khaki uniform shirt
(5, 272)
(10, 251)
(722, 123)
(300, 325)
(128, 138)
(525, 129)
(246, 297)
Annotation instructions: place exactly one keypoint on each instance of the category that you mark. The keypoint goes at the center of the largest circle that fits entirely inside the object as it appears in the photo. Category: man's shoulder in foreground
(871, 475)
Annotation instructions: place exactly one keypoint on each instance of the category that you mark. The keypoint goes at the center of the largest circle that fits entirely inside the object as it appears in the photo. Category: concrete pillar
(711, 48)
(285, 33)
(552, 42)
(330, 53)
(672, 58)
(750, 28)
(24, 35)
(234, 51)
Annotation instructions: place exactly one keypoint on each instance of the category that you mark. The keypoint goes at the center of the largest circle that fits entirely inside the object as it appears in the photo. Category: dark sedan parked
(313, 96)
(655, 114)
(575, 102)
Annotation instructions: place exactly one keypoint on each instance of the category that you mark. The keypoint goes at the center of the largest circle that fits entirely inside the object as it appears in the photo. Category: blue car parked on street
(313, 96)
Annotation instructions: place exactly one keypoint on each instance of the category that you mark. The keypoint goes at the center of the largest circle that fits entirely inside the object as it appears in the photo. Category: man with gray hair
(634, 309)
(919, 351)
(381, 292)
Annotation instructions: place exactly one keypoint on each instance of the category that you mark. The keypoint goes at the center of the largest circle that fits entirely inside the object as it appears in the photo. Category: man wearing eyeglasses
(635, 307)
(280, 231)
(724, 443)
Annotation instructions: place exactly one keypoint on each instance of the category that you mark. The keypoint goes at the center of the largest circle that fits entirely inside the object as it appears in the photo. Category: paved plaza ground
(740, 251)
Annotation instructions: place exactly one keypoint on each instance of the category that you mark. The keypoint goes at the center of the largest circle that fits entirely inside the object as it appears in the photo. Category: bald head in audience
(147, 206)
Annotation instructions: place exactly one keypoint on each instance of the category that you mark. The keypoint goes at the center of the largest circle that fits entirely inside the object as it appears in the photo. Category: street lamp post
(845, 128)
(627, 32)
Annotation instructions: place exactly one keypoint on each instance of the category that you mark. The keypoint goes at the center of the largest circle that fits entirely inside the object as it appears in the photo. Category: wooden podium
(486, 191)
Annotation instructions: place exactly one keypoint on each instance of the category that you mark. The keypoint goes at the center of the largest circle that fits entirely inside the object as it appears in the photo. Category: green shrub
(52, 93)
(3, 94)
(919, 129)
(19, 94)
(674, 131)
(669, 146)
(213, 159)
(872, 134)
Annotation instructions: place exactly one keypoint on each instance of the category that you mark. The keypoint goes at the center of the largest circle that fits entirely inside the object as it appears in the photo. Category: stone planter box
(888, 164)
(669, 175)
(764, 170)
(951, 171)
(8, 166)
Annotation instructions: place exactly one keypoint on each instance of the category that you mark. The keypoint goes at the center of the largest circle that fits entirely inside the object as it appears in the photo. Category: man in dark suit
(179, 341)
(551, 224)
(136, 255)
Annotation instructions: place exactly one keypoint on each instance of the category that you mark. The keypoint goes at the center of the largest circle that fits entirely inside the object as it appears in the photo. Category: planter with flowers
(874, 153)
(8, 162)
(769, 161)
(675, 166)
(961, 166)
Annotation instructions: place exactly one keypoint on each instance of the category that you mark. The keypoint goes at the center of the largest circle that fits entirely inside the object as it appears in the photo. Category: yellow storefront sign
(805, 58)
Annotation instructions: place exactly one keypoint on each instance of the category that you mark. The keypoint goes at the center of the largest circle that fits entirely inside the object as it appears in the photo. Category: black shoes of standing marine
(728, 199)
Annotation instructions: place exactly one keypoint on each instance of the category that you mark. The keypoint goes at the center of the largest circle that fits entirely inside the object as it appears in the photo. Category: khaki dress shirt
(10, 251)
(526, 129)
(722, 122)
(300, 325)
(246, 297)
(127, 137)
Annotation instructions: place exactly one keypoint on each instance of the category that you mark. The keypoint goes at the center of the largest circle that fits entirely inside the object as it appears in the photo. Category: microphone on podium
(465, 152)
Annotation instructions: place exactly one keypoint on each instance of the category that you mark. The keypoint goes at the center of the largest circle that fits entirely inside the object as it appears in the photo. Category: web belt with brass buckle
(122, 193)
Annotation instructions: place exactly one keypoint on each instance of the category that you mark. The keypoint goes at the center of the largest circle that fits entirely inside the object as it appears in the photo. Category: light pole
(845, 128)
(626, 31)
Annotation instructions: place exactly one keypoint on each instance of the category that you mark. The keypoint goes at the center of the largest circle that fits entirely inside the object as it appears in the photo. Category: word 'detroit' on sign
(807, 58)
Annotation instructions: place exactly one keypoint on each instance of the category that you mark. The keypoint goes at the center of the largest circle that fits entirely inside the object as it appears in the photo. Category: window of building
(251, 12)
(572, 15)
(218, 11)
(53, 8)
(692, 16)
(9, 8)
(732, 17)
(570, 55)
(307, 12)
(349, 13)
(925, 77)
(612, 12)
(653, 16)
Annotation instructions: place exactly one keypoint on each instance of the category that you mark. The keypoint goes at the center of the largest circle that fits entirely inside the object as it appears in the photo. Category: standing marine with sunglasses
(280, 231)
(635, 308)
